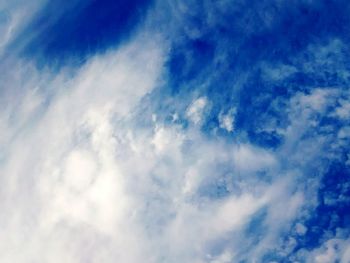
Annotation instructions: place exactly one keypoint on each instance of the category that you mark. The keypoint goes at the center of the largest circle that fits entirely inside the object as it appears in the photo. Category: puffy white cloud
(332, 250)
(195, 112)
(227, 121)
(88, 182)
(300, 229)
(59, 150)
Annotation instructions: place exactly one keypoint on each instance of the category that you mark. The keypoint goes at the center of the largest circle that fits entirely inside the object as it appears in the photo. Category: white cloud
(61, 168)
(227, 121)
(300, 229)
(82, 169)
(14, 17)
(343, 110)
(277, 73)
(195, 112)
(84, 181)
(250, 159)
(331, 251)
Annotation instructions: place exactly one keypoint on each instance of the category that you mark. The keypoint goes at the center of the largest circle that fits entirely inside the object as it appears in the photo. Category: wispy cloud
(171, 148)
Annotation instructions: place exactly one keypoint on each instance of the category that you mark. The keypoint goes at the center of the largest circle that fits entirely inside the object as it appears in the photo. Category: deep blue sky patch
(74, 30)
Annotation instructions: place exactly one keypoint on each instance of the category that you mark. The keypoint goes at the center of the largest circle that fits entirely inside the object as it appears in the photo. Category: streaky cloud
(175, 131)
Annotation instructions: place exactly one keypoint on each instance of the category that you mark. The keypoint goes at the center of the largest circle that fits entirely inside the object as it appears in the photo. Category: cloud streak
(165, 149)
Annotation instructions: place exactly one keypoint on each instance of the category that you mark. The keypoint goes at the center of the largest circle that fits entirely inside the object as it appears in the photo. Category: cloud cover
(206, 134)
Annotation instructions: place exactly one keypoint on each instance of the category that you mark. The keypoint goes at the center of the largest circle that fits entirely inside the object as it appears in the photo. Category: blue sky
(175, 131)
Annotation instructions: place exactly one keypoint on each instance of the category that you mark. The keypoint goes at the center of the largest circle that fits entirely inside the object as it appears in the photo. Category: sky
(168, 131)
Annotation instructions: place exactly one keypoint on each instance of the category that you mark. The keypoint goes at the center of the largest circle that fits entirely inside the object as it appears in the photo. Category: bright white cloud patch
(333, 250)
(195, 112)
(61, 169)
(88, 185)
(227, 121)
